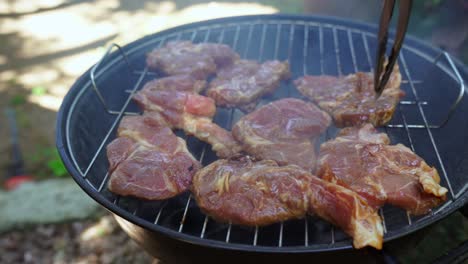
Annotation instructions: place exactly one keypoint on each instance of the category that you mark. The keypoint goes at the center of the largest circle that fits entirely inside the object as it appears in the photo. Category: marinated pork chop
(191, 112)
(246, 192)
(351, 99)
(283, 131)
(241, 84)
(176, 106)
(186, 58)
(361, 159)
(148, 161)
(183, 83)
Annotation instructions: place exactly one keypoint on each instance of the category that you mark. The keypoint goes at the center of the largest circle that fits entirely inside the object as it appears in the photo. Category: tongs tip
(380, 80)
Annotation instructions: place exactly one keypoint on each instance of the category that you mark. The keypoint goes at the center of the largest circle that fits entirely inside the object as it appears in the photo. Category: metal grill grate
(312, 48)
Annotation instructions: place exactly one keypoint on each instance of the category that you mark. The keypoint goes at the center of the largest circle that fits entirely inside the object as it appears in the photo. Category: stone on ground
(49, 201)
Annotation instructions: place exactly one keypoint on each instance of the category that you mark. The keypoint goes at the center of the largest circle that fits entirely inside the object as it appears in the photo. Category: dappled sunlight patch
(27, 6)
(83, 23)
(102, 228)
(59, 45)
(72, 35)
(216, 10)
(46, 101)
(57, 30)
(77, 64)
(34, 78)
(166, 16)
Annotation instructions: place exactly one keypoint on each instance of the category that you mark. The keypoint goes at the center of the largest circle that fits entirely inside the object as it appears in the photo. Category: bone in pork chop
(361, 159)
(183, 83)
(242, 191)
(283, 131)
(191, 112)
(351, 99)
(184, 57)
(148, 161)
(241, 84)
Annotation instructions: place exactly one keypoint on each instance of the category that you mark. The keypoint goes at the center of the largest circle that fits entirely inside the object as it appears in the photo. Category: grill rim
(77, 89)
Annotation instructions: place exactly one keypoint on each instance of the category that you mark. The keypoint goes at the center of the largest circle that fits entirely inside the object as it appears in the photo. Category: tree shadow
(16, 62)
(41, 10)
(11, 45)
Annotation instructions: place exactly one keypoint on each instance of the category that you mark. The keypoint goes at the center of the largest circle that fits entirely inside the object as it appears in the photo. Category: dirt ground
(76, 242)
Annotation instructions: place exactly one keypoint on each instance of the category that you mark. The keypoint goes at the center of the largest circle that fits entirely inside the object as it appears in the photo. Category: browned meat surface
(183, 83)
(361, 159)
(283, 131)
(246, 192)
(351, 99)
(148, 161)
(241, 84)
(184, 57)
(192, 113)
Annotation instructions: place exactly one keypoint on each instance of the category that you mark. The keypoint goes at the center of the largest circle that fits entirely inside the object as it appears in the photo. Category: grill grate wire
(280, 25)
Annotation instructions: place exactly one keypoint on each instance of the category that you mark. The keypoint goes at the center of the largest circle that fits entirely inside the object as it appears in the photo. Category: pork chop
(350, 100)
(183, 83)
(283, 131)
(192, 113)
(256, 193)
(242, 83)
(148, 161)
(186, 58)
(361, 159)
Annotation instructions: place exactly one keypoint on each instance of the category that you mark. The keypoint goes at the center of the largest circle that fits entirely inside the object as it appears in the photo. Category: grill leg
(158, 246)
(456, 255)
(464, 210)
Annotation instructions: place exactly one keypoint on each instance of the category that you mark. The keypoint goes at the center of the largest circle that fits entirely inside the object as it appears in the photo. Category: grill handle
(93, 75)
(460, 81)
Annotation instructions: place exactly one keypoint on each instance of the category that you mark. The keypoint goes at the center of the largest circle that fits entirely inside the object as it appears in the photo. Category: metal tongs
(380, 80)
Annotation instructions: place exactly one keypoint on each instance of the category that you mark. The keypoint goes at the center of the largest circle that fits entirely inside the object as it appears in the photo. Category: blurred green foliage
(38, 90)
(56, 166)
(51, 157)
(17, 100)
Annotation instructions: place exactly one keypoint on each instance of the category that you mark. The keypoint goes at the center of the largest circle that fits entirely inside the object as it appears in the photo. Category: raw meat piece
(351, 99)
(283, 131)
(184, 57)
(148, 161)
(222, 54)
(191, 112)
(361, 159)
(242, 191)
(244, 82)
(176, 106)
(183, 83)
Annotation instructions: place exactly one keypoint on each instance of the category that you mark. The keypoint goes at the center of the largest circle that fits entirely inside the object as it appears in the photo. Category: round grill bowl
(313, 45)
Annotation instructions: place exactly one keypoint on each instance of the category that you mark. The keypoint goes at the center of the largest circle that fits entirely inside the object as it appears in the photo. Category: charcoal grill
(431, 120)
